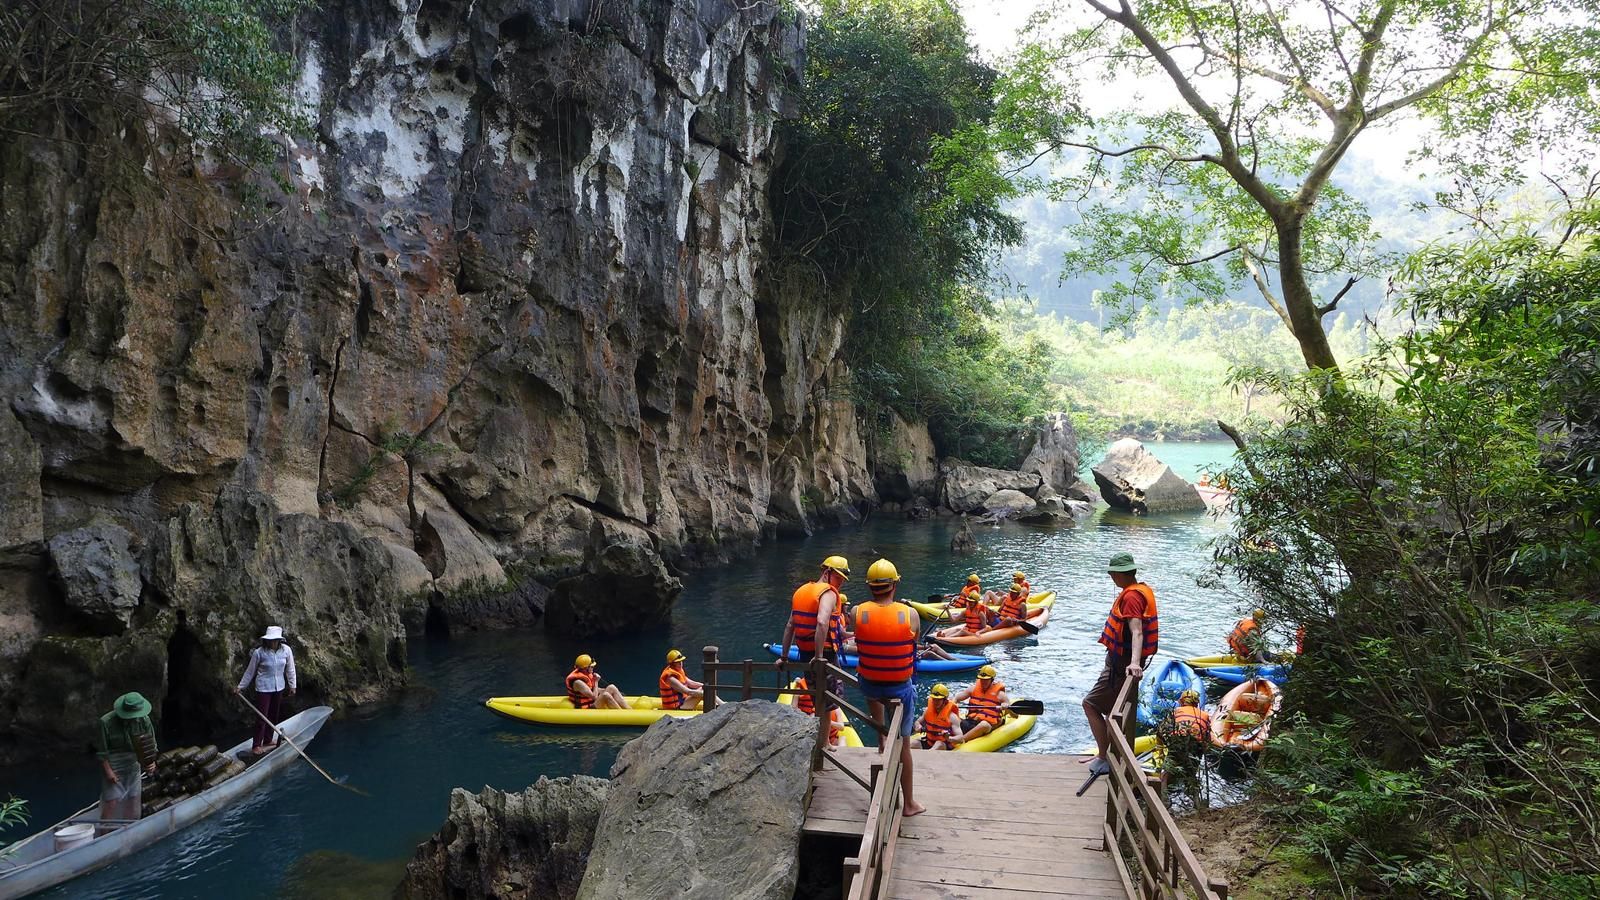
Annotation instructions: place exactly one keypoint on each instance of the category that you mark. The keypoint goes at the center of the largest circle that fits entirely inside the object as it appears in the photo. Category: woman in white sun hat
(271, 668)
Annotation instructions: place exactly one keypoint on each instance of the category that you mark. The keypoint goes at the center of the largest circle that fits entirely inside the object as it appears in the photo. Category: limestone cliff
(508, 326)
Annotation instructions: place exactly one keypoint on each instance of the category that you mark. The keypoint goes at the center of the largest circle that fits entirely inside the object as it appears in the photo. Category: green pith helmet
(131, 705)
(1122, 562)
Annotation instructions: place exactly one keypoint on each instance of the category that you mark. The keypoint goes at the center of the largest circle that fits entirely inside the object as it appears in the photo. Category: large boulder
(1130, 477)
(1053, 509)
(510, 846)
(964, 541)
(709, 807)
(964, 487)
(1054, 455)
(99, 575)
(904, 463)
(1008, 503)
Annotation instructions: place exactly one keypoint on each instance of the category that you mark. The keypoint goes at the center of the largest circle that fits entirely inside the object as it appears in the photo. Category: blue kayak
(959, 664)
(1236, 674)
(1161, 687)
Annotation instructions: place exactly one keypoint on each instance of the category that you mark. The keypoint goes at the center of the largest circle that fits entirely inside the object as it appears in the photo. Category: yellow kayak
(560, 711)
(847, 734)
(1220, 659)
(1009, 732)
(936, 612)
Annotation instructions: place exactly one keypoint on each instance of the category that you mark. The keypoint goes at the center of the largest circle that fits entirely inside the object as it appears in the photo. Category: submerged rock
(964, 540)
(1132, 478)
(510, 846)
(709, 807)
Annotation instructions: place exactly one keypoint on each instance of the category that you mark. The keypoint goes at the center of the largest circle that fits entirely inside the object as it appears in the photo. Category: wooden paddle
(285, 738)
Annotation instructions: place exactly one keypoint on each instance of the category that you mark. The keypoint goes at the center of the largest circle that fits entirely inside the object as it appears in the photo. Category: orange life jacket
(975, 617)
(1015, 606)
(578, 700)
(886, 642)
(985, 705)
(802, 697)
(1027, 589)
(1115, 634)
(936, 720)
(671, 697)
(1239, 640)
(803, 613)
(1193, 721)
(972, 593)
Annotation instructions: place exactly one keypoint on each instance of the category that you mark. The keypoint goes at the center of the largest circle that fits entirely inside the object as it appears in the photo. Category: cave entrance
(186, 716)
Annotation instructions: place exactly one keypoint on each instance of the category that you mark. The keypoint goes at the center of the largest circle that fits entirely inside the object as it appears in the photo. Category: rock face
(1054, 455)
(905, 464)
(530, 845)
(99, 575)
(709, 807)
(964, 487)
(1130, 477)
(514, 301)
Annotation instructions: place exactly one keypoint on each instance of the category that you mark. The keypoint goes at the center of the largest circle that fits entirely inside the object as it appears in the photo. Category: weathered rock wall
(511, 315)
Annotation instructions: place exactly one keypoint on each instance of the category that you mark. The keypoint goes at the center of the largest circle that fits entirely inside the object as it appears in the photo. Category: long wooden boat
(32, 864)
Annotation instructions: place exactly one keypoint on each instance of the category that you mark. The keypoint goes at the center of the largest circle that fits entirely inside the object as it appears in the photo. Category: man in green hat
(126, 738)
(1131, 635)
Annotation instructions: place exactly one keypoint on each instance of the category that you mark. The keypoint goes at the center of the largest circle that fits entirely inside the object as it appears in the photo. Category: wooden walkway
(1019, 834)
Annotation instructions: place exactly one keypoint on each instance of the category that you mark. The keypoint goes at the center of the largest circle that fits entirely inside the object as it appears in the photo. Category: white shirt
(273, 670)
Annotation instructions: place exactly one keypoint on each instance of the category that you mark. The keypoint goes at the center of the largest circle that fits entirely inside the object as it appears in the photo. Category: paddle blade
(1028, 707)
(938, 598)
(1029, 627)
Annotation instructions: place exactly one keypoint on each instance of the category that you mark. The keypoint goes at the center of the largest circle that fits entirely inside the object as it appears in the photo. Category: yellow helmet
(973, 578)
(1019, 576)
(583, 661)
(1016, 588)
(1189, 698)
(882, 572)
(939, 691)
(1258, 614)
(675, 656)
(986, 672)
(838, 564)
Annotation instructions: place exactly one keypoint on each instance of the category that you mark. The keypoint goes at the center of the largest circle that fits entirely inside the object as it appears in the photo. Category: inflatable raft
(1011, 730)
(560, 711)
(1243, 719)
(847, 735)
(961, 663)
(1211, 662)
(936, 612)
(1160, 689)
(1236, 674)
(1038, 618)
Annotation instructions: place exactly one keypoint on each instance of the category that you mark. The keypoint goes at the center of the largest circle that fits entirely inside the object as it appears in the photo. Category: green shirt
(116, 733)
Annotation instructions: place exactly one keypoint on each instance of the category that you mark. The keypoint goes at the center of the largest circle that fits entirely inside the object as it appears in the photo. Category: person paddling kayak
(1131, 635)
(940, 722)
(1013, 609)
(986, 704)
(584, 690)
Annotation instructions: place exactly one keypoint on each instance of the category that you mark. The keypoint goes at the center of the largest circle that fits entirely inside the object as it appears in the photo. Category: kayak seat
(1260, 704)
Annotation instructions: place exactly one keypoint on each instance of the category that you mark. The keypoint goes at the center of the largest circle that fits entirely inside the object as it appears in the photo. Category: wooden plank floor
(1031, 840)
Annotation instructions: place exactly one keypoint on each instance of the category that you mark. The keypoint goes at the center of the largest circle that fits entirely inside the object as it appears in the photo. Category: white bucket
(73, 835)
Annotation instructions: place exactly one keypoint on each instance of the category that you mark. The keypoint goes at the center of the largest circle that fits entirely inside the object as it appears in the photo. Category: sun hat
(274, 633)
(1122, 562)
(132, 705)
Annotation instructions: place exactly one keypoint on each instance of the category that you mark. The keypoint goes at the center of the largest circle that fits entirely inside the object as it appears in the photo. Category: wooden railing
(863, 873)
(1142, 838)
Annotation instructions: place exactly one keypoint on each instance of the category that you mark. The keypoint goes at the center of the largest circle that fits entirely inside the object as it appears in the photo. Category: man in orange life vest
(886, 637)
(1017, 578)
(1131, 635)
(1013, 609)
(584, 690)
(986, 704)
(971, 592)
(940, 723)
(1247, 639)
(678, 690)
(811, 610)
(804, 703)
(1189, 719)
(975, 618)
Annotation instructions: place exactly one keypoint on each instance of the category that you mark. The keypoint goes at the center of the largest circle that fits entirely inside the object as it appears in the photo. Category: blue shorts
(904, 691)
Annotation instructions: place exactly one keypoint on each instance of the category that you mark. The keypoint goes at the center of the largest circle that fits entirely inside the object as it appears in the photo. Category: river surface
(300, 837)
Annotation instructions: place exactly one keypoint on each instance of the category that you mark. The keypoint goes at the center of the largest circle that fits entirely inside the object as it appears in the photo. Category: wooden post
(817, 686)
(749, 678)
(709, 699)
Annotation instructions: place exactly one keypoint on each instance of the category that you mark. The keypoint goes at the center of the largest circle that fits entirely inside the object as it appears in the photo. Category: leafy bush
(1430, 521)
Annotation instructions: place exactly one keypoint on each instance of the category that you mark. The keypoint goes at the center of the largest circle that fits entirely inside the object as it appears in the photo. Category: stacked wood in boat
(184, 772)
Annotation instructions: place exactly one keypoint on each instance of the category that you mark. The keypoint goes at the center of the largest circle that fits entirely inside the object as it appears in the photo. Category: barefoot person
(986, 703)
(678, 690)
(584, 690)
(125, 736)
(271, 670)
(886, 634)
(940, 723)
(1131, 635)
(811, 610)
(975, 619)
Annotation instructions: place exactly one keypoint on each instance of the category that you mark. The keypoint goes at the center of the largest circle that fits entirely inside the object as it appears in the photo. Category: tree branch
(1266, 289)
(1333, 304)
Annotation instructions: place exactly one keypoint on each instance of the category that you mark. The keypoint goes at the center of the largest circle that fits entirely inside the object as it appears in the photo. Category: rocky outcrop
(964, 541)
(514, 299)
(1054, 454)
(1053, 509)
(709, 807)
(625, 588)
(964, 487)
(1007, 503)
(530, 845)
(1131, 478)
(904, 462)
(99, 576)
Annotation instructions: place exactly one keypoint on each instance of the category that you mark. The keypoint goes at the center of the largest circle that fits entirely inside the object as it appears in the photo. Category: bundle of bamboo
(184, 772)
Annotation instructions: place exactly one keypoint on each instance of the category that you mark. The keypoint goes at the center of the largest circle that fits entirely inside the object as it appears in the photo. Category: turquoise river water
(300, 837)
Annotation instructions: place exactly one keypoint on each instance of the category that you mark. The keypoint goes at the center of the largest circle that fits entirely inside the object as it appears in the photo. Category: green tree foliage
(1438, 541)
(888, 205)
(210, 65)
(1232, 179)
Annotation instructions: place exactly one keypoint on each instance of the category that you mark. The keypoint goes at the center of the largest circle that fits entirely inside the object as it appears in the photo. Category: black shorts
(1106, 687)
(970, 723)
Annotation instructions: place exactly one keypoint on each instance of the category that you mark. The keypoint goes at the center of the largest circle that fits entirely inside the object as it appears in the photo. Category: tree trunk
(1298, 299)
(1249, 392)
